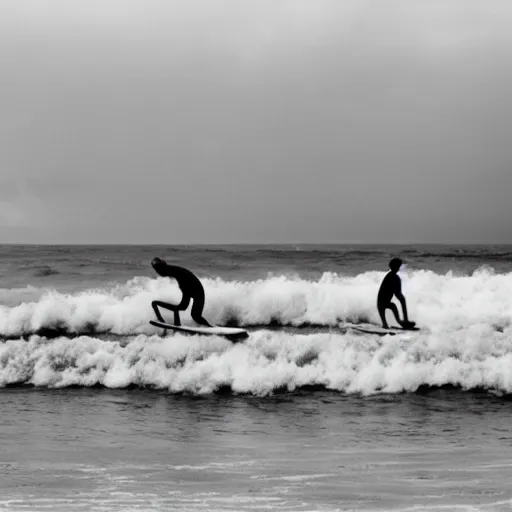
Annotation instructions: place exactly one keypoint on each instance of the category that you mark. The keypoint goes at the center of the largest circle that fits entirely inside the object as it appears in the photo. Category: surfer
(191, 288)
(392, 285)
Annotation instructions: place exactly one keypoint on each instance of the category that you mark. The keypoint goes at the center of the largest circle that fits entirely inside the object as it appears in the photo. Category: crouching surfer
(189, 285)
(392, 286)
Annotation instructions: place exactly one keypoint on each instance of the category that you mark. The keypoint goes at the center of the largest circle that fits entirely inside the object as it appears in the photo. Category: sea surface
(102, 412)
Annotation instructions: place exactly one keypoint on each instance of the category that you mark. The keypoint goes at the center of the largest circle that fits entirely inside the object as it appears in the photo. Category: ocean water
(101, 412)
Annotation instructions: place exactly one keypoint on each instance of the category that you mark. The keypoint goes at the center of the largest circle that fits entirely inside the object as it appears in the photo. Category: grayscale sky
(233, 121)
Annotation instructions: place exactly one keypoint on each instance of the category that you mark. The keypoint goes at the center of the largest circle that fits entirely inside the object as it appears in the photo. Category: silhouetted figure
(189, 285)
(392, 285)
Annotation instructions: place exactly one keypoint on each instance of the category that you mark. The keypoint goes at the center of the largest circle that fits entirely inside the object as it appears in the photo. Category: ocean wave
(268, 362)
(45, 271)
(465, 254)
(12, 297)
(440, 303)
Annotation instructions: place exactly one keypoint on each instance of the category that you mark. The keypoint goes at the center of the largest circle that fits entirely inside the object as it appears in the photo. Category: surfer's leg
(175, 309)
(182, 306)
(394, 309)
(155, 305)
(197, 311)
(382, 313)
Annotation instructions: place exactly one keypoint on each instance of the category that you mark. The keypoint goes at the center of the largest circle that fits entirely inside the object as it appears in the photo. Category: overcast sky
(234, 121)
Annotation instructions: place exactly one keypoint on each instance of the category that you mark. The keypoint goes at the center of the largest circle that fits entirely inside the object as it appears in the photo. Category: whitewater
(100, 336)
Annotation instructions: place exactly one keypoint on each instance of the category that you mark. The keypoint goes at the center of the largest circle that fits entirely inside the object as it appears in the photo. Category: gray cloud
(245, 121)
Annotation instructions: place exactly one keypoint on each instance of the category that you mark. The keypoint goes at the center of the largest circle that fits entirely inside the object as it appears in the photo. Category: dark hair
(157, 261)
(395, 264)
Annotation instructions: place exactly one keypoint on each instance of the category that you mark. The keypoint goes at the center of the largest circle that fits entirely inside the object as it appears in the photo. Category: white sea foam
(267, 362)
(466, 337)
(481, 302)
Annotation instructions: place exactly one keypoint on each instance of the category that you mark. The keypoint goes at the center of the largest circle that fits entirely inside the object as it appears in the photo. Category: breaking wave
(465, 338)
(441, 303)
(268, 362)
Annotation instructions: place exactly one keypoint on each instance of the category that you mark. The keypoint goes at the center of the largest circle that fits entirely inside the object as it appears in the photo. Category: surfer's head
(158, 263)
(395, 264)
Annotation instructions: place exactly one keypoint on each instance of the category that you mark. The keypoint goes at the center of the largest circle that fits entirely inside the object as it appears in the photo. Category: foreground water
(100, 412)
(98, 450)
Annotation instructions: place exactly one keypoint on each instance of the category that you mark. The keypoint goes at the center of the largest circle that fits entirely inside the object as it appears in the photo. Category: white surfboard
(229, 332)
(378, 330)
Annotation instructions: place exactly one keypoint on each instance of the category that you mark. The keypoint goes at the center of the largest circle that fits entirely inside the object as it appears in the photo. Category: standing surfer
(392, 285)
(189, 285)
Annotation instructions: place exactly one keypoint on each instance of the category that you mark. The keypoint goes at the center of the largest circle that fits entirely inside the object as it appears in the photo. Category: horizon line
(239, 244)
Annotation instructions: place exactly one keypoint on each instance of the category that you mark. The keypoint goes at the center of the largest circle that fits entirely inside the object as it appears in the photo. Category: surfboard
(229, 332)
(378, 330)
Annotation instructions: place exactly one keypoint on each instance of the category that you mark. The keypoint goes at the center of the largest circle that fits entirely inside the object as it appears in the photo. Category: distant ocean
(100, 412)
